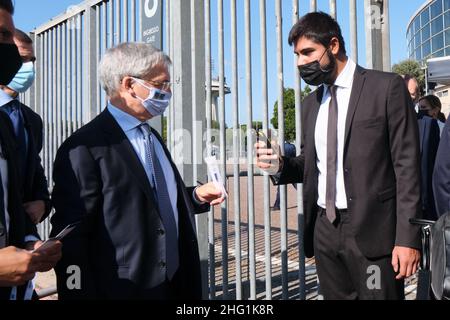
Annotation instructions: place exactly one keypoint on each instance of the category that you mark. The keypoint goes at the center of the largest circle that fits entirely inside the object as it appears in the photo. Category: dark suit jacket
(441, 175)
(120, 244)
(34, 180)
(429, 135)
(381, 164)
(20, 224)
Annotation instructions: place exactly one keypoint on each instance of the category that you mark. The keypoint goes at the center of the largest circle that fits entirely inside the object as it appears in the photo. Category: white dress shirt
(344, 84)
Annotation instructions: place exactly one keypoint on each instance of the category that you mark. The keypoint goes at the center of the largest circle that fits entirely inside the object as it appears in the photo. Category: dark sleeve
(199, 208)
(405, 155)
(40, 185)
(76, 197)
(441, 175)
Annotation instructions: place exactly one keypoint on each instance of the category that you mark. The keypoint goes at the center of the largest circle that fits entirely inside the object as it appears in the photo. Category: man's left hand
(35, 209)
(208, 193)
(405, 261)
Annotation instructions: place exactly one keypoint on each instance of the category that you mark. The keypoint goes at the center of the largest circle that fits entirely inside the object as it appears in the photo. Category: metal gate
(235, 47)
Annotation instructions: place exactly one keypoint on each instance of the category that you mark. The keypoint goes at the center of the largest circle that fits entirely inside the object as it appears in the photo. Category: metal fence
(245, 254)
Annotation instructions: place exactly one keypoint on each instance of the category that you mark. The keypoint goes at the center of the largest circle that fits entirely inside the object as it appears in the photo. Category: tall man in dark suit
(18, 234)
(137, 239)
(28, 130)
(441, 175)
(359, 165)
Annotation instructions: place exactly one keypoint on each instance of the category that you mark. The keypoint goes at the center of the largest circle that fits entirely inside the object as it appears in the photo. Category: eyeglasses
(162, 85)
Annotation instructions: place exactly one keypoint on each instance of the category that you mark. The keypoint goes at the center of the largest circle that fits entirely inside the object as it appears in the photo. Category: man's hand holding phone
(267, 154)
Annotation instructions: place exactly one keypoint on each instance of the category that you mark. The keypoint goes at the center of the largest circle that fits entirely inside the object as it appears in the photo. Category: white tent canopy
(439, 70)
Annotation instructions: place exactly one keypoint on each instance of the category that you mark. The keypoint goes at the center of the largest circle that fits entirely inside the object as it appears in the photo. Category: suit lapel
(119, 142)
(30, 148)
(358, 84)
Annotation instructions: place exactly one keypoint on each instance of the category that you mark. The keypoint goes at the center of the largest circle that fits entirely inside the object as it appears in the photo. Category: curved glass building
(428, 32)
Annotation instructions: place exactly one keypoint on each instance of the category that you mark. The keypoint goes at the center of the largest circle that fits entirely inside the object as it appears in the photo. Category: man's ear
(127, 84)
(335, 46)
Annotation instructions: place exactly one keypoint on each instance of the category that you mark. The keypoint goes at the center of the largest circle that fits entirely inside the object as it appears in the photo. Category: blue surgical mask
(24, 78)
(157, 100)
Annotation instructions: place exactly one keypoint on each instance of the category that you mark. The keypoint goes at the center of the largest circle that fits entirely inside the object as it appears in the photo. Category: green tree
(289, 112)
(412, 68)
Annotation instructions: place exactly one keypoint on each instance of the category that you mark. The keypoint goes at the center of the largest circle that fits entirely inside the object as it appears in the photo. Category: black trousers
(344, 272)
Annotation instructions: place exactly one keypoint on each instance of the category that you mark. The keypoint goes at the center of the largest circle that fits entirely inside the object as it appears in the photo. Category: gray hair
(129, 59)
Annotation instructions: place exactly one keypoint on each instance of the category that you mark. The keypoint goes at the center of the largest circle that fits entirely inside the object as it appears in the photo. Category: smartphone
(260, 136)
(48, 243)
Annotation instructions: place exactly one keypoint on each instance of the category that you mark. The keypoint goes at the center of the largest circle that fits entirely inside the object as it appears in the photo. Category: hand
(17, 266)
(35, 209)
(49, 256)
(208, 193)
(405, 261)
(266, 159)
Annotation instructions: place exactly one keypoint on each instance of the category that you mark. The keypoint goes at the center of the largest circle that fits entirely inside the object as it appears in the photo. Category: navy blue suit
(441, 175)
(429, 142)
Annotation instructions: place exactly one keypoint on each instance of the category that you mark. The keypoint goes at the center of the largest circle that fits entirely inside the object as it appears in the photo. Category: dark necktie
(164, 204)
(332, 143)
(13, 110)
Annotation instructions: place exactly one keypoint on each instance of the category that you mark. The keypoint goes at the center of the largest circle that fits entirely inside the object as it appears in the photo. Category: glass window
(446, 4)
(447, 51)
(436, 8)
(436, 25)
(425, 16)
(447, 19)
(438, 54)
(417, 41)
(426, 32)
(426, 49)
(438, 42)
(417, 23)
(447, 37)
(418, 54)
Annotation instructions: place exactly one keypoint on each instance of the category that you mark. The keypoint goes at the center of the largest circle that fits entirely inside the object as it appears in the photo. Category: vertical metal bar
(125, 20)
(283, 211)
(169, 50)
(236, 153)
(73, 81)
(298, 129)
(118, 23)
(386, 37)
(313, 5)
(104, 42)
(110, 24)
(90, 65)
(98, 46)
(53, 102)
(222, 144)
(194, 95)
(58, 88)
(212, 260)
(133, 19)
(250, 175)
(79, 112)
(333, 11)
(354, 30)
(64, 81)
(265, 107)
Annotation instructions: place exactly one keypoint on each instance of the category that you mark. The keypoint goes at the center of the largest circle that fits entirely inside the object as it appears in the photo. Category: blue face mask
(24, 78)
(157, 100)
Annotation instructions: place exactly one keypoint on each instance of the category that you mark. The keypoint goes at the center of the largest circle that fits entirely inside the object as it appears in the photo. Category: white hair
(129, 59)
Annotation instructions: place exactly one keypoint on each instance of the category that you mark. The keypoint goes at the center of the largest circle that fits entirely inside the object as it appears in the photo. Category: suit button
(350, 199)
(160, 232)
(162, 264)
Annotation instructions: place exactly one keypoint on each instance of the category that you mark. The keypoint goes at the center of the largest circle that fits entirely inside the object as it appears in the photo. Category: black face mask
(10, 62)
(314, 75)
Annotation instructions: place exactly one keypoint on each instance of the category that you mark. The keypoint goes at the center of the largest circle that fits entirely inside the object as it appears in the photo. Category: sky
(33, 13)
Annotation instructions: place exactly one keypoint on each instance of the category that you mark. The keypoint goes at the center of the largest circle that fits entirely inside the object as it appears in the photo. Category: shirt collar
(126, 121)
(345, 78)
(4, 98)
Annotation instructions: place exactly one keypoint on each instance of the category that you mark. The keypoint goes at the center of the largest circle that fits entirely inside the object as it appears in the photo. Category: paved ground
(283, 254)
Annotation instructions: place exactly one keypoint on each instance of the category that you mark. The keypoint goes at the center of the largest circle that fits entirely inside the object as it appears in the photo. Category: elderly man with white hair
(137, 236)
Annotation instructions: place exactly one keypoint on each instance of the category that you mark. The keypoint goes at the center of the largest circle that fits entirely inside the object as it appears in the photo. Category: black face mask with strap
(313, 73)
(10, 62)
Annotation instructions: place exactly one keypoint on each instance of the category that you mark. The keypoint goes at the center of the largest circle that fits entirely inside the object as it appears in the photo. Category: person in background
(28, 131)
(18, 235)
